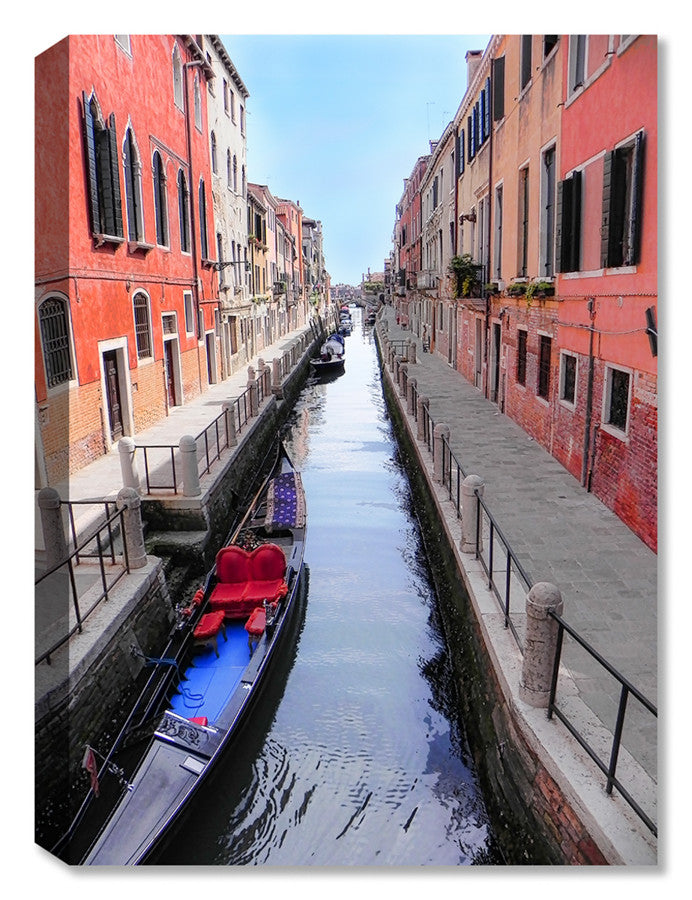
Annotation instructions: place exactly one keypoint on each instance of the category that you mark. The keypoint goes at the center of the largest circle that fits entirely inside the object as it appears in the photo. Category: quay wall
(544, 798)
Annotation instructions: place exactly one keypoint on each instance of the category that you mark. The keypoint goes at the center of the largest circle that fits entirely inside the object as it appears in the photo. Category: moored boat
(332, 354)
(231, 630)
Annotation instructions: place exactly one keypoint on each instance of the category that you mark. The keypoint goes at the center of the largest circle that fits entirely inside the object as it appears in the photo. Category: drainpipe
(193, 230)
(585, 479)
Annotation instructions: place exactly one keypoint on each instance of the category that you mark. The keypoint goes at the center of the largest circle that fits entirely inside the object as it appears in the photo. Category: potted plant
(466, 274)
(516, 289)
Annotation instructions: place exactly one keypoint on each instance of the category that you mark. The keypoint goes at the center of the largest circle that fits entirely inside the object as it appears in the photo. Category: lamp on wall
(468, 217)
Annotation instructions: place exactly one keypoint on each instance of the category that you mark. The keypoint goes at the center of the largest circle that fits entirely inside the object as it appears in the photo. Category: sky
(336, 122)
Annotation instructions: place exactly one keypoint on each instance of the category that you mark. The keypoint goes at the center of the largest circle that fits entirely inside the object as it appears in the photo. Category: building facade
(551, 308)
(125, 288)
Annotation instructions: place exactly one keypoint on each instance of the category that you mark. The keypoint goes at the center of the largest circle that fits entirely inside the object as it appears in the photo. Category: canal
(355, 756)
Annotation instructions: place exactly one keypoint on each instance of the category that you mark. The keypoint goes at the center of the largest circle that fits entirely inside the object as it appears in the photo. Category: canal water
(355, 756)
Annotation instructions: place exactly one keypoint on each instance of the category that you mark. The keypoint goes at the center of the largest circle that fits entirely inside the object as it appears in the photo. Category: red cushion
(209, 625)
(257, 622)
(232, 565)
(199, 720)
(267, 562)
(224, 592)
(233, 607)
(266, 590)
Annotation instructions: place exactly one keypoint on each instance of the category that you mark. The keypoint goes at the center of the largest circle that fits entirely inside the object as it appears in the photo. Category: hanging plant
(466, 275)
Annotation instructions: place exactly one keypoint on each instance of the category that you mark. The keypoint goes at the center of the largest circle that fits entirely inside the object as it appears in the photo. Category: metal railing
(102, 538)
(488, 529)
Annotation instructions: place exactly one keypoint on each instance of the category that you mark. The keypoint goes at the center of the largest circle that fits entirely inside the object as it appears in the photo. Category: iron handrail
(106, 586)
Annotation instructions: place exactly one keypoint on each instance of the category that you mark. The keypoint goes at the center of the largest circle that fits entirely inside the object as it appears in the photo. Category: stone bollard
(441, 431)
(420, 416)
(228, 407)
(276, 377)
(403, 374)
(188, 452)
(469, 513)
(130, 502)
(128, 465)
(540, 644)
(253, 391)
(412, 351)
(54, 542)
(411, 385)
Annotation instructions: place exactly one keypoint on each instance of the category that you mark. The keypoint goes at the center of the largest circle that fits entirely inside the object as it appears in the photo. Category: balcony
(427, 280)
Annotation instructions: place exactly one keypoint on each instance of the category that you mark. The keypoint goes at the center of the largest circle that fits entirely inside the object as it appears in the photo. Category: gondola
(234, 624)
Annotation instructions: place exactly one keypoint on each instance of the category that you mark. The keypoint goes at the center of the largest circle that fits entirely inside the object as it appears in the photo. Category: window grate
(142, 329)
(56, 341)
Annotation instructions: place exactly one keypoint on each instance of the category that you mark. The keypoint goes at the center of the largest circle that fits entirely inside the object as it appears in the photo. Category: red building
(605, 408)
(125, 298)
(408, 237)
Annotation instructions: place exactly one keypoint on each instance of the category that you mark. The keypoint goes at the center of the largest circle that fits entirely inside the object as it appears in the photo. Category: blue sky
(337, 122)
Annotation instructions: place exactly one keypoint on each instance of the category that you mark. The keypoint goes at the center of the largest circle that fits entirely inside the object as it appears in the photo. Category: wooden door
(115, 413)
(170, 381)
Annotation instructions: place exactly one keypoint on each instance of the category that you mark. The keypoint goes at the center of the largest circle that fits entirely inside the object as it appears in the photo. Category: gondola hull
(216, 694)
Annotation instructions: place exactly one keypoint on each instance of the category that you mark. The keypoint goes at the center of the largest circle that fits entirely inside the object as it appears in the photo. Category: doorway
(169, 358)
(495, 364)
(113, 401)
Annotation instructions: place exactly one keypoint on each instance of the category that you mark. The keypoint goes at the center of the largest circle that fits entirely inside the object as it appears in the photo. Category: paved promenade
(561, 534)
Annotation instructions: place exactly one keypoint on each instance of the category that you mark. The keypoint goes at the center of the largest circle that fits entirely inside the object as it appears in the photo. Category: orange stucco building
(126, 296)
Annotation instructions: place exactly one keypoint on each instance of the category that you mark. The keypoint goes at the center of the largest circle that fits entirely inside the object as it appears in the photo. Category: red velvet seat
(267, 571)
(208, 628)
(232, 573)
(255, 626)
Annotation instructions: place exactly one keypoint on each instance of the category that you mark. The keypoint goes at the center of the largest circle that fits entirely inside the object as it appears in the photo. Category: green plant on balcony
(517, 289)
(540, 289)
(465, 272)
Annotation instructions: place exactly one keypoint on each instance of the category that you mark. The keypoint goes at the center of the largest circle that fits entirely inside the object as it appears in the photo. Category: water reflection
(356, 758)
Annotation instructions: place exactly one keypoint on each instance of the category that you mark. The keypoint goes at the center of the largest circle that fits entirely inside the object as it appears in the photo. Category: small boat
(331, 356)
(232, 628)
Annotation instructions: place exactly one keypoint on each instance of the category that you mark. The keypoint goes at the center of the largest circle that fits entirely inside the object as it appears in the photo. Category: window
(243, 182)
(231, 97)
(225, 97)
(521, 356)
(229, 169)
(198, 103)
(549, 41)
(189, 313)
(568, 225)
(160, 203)
(525, 75)
(617, 398)
(55, 340)
(577, 62)
(214, 162)
(142, 325)
(242, 119)
(544, 367)
(123, 41)
(523, 242)
(103, 176)
(133, 188)
(548, 213)
(177, 78)
(204, 245)
(183, 212)
(568, 378)
(235, 173)
(623, 181)
(219, 256)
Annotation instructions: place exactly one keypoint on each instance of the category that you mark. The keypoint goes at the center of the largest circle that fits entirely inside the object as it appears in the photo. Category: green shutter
(114, 172)
(92, 176)
(635, 223)
(605, 215)
(498, 88)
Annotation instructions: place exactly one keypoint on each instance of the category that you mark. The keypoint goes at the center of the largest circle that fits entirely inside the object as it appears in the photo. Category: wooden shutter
(115, 178)
(486, 117)
(635, 222)
(462, 152)
(498, 88)
(469, 124)
(564, 195)
(605, 214)
(568, 227)
(92, 176)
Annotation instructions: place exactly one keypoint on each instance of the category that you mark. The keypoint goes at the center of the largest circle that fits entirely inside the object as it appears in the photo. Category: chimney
(473, 59)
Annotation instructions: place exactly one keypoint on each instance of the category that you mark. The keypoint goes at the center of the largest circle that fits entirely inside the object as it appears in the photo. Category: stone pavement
(561, 534)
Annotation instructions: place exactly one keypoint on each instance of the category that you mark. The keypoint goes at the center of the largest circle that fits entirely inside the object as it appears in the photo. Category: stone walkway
(561, 534)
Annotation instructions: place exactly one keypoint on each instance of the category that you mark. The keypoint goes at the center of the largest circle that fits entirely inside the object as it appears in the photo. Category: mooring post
(128, 465)
(469, 513)
(411, 351)
(276, 377)
(403, 375)
(540, 643)
(411, 385)
(188, 453)
(54, 543)
(420, 416)
(130, 503)
(441, 433)
(228, 407)
(253, 390)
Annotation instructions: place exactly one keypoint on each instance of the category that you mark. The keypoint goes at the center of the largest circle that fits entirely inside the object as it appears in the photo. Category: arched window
(198, 103)
(204, 243)
(55, 340)
(184, 212)
(103, 168)
(133, 188)
(214, 166)
(140, 305)
(160, 205)
(177, 78)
